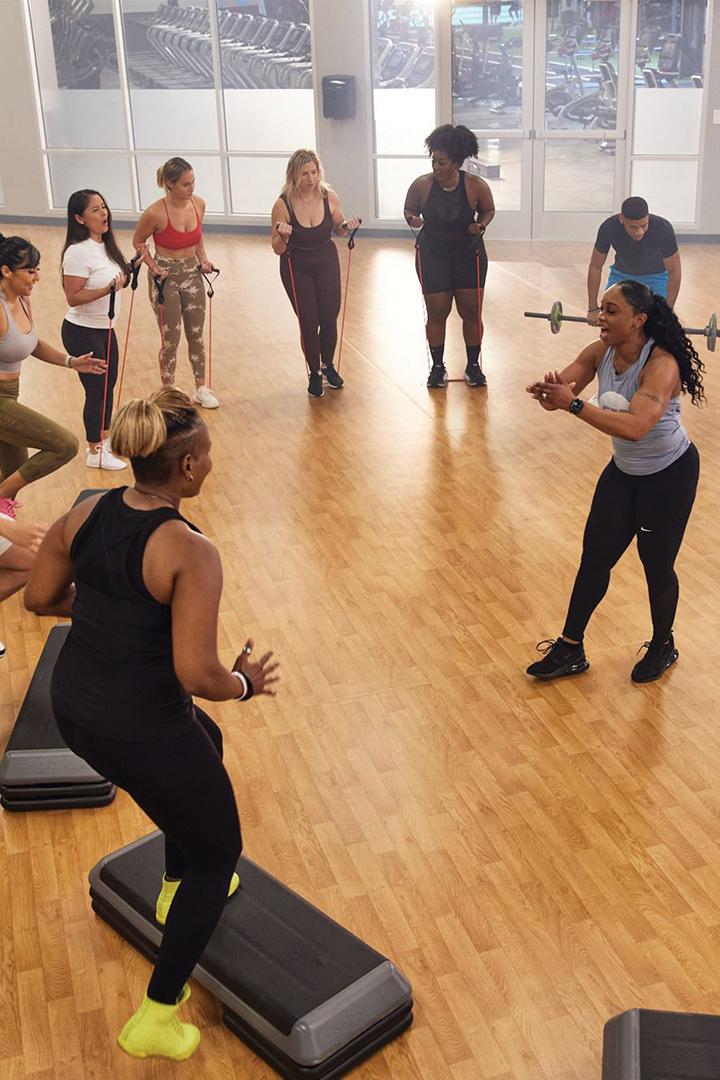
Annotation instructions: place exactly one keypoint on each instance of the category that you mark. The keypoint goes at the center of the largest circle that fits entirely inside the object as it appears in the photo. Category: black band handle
(160, 286)
(135, 264)
(111, 305)
(351, 235)
(209, 280)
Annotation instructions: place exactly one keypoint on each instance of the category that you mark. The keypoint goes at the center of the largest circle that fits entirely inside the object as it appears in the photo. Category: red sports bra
(175, 240)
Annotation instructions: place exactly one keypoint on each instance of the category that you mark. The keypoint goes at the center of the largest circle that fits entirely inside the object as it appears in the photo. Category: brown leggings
(21, 427)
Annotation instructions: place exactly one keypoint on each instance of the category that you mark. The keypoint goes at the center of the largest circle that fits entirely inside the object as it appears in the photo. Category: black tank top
(115, 674)
(307, 239)
(446, 216)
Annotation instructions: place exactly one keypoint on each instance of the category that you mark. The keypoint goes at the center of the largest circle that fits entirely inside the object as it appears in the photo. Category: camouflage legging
(21, 427)
(184, 306)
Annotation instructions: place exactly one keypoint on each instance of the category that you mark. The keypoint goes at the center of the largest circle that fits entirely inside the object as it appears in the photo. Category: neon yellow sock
(167, 895)
(155, 1031)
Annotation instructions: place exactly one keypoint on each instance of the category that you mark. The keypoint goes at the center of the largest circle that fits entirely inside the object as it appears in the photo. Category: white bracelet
(68, 358)
(243, 682)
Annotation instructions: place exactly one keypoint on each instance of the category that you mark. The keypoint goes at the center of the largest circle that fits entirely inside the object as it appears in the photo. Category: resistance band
(351, 247)
(111, 316)
(160, 300)
(135, 264)
(286, 241)
(210, 293)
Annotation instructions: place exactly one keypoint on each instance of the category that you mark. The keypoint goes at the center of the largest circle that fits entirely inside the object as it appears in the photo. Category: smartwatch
(576, 406)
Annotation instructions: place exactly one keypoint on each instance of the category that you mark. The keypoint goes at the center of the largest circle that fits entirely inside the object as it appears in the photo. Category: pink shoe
(8, 507)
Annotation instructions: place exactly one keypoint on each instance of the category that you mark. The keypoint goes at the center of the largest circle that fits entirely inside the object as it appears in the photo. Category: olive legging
(21, 427)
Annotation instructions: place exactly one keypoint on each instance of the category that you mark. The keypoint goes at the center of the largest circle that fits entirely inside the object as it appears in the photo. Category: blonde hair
(155, 432)
(171, 171)
(295, 166)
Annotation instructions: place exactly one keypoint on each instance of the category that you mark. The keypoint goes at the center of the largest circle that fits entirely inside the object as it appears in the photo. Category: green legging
(21, 427)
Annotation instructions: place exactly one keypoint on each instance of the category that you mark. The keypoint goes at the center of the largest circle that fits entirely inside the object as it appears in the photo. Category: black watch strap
(577, 406)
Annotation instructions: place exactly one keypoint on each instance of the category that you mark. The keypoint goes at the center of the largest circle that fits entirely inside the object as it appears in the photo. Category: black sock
(437, 351)
(473, 354)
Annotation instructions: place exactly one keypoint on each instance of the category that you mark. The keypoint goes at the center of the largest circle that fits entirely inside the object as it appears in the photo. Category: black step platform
(306, 995)
(642, 1044)
(37, 771)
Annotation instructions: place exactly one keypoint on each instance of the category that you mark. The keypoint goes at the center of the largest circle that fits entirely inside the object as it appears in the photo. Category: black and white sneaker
(437, 379)
(333, 377)
(474, 375)
(656, 660)
(561, 658)
(315, 385)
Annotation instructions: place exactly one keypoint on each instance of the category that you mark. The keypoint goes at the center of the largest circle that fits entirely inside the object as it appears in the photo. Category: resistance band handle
(160, 286)
(351, 235)
(285, 239)
(216, 272)
(111, 305)
(135, 264)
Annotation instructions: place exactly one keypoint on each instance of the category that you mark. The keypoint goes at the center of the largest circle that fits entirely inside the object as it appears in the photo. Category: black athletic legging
(317, 285)
(655, 508)
(88, 339)
(182, 785)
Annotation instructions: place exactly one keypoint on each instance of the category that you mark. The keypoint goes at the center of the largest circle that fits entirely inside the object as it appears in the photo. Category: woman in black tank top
(309, 266)
(143, 587)
(452, 209)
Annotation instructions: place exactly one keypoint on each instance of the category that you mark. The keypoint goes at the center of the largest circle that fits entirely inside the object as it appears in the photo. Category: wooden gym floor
(535, 858)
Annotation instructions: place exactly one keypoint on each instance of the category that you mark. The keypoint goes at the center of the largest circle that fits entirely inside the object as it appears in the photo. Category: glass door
(491, 86)
(582, 81)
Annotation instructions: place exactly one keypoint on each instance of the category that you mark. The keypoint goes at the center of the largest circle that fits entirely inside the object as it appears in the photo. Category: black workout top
(306, 239)
(446, 217)
(115, 673)
(638, 256)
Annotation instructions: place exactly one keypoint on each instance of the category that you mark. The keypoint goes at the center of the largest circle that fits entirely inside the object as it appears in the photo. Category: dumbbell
(556, 318)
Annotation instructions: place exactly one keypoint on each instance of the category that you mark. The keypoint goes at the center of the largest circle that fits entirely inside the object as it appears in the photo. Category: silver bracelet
(68, 358)
(243, 682)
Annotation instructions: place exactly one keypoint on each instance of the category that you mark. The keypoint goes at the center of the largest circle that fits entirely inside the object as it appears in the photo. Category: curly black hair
(663, 326)
(457, 142)
(17, 253)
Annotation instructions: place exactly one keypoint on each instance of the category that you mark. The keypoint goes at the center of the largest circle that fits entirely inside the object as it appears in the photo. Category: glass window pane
(267, 77)
(403, 52)
(255, 183)
(107, 173)
(671, 43)
(499, 163)
(670, 187)
(208, 180)
(581, 65)
(394, 177)
(76, 58)
(170, 75)
(568, 164)
(487, 46)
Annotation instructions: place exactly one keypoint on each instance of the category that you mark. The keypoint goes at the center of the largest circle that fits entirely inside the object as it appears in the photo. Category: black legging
(655, 508)
(317, 284)
(182, 785)
(84, 339)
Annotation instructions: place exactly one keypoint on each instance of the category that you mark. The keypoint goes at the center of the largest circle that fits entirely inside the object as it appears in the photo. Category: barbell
(556, 318)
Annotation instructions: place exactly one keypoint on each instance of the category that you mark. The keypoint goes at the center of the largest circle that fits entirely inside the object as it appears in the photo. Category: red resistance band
(210, 293)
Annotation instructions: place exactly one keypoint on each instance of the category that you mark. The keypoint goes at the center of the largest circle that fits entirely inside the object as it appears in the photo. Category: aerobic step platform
(306, 995)
(37, 771)
(642, 1044)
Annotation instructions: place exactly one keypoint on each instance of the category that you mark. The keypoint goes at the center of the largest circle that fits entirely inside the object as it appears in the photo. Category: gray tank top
(664, 443)
(15, 346)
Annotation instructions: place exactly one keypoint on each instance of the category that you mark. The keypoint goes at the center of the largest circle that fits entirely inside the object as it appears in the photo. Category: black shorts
(440, 274)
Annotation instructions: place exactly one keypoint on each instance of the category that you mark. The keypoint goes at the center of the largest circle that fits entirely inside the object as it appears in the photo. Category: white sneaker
(205, 397)
(2, 649)
(109, 461)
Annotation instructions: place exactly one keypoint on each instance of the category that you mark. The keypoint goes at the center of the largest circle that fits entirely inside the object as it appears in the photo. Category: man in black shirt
(645, 250)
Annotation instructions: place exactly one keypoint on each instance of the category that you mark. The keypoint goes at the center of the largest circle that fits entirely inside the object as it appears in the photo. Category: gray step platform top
(647, 1044)
(36, 753)
(305, 984)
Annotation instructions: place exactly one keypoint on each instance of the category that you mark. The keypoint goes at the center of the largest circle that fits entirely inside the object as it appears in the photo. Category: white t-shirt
(90, 260)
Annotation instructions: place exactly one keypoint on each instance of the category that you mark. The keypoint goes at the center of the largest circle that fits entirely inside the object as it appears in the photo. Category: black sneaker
(655, 661)
(315, 386)
(333, 377)
(474, 375)
(437, 379)
(560, 658)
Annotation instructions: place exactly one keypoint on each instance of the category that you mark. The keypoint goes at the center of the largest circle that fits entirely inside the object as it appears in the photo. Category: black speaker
(339, 97)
